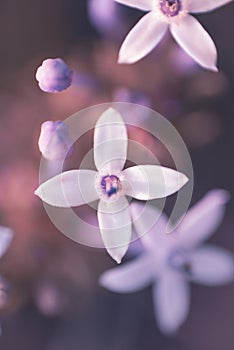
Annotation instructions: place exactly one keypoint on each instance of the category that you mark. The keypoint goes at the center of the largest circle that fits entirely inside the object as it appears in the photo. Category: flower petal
(198, 6)
(211, 265)
(194, 39)
(69, 189)
(171, 297)
(144, 5)
(146, 182)
(129, 277)
(110, 141)
(6, 235)
(202, 219)
(144, 36)
(115, 226)
(150, 225)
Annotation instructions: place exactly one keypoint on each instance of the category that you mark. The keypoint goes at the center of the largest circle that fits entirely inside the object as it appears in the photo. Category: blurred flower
(54, 75)
(55, 142)
(103, 14)
(110, 184)
(185, 29)
(170, 261)
(6, 235)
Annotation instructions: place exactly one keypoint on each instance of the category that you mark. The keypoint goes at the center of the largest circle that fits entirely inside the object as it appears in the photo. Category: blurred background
(54, 300)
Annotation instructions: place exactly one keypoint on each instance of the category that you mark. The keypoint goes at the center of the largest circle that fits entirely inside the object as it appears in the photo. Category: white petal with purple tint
(147, 182)
(211, 265)
(198, 6)
(144, 5)
(143, 38)
(203, 219)
(69, 189)
(115, 226)
(150, 224)
(171, 297)
(6, 235)
(129, 277)
(110, 142)
(194, 39)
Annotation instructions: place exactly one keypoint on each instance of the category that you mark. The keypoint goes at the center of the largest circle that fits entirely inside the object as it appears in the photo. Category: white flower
(111, 184)
(172, 14)
(170, 261)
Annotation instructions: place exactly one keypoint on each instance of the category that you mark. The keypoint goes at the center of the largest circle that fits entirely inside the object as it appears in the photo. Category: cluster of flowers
(167, 261)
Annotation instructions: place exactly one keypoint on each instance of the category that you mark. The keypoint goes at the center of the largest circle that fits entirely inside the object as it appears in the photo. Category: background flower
(170, 261)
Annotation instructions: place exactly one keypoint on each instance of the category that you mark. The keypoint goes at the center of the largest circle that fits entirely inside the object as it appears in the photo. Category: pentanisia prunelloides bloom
(172, 14)
(111, 184)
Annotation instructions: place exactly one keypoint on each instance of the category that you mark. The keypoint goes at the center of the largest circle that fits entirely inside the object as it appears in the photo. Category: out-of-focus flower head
(110, 184)
(170, 261)
(6, 235)
(172, 14)
(105, 17)
(55, 142)
(54, 75)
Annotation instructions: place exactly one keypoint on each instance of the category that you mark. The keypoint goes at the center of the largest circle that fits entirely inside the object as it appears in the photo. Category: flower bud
(55, 142)
(54, 75)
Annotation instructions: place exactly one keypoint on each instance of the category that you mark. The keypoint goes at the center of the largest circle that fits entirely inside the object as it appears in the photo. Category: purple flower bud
(54, 75)
(55, 142)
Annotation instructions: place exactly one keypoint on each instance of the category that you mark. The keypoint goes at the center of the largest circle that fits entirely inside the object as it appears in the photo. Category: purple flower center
(170, 8)
(110, 185)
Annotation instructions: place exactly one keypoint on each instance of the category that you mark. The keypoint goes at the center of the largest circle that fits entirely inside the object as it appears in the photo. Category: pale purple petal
(144, 5)
(203, 219)
(194, 39)
(171, 297)
(115, 226)
(69, 189)
(198, 6)
(6, 235)
(147, 182)
(150, 225)
(110, 142)
(143, 38)
(129, 277)
(211, 265)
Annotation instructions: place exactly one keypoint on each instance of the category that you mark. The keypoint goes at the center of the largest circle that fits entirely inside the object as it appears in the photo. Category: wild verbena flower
(172, 14)
(55, 142)
(110, 184)
(54, 75)
(169, 262)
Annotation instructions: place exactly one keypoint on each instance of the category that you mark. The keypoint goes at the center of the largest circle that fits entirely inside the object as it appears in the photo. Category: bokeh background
(54, 300)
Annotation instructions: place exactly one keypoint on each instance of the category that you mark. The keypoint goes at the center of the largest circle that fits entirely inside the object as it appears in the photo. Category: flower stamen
(170, 8)
(110, 185)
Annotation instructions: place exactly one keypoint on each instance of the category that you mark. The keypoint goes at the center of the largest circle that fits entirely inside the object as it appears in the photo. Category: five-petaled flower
(172, 14)
(111, 184)
(171, 260)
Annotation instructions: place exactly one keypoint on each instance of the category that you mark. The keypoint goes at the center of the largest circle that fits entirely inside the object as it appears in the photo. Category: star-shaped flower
(172, 14)
(171, 261)
(111, 184)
